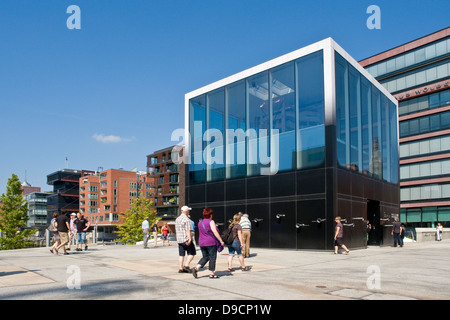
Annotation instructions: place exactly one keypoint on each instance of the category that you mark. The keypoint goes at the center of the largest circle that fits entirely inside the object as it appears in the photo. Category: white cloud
(110, 138)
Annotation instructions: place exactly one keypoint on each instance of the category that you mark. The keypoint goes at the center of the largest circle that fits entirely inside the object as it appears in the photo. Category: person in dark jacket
(396, 232)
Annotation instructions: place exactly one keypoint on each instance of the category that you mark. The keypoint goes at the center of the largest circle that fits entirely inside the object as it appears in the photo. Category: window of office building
(431, 101)
(426, 217)
(411, 58)
(425, 147)
(415, 78)
(425, 192)
(425, 124)
(425, 169)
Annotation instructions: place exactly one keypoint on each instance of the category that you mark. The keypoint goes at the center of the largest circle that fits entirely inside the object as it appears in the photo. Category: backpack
(227, 236)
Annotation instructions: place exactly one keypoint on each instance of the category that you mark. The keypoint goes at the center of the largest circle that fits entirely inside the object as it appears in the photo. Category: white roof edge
(261, 67)
(363, 71)
(320, 45)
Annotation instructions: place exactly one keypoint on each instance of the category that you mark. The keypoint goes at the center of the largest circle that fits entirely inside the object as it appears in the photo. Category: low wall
(429, 234)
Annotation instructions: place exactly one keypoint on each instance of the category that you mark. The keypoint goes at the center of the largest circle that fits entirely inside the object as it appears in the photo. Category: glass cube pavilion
(295, 142)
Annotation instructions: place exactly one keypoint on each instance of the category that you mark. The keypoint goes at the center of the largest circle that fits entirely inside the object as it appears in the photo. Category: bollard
(47, 238)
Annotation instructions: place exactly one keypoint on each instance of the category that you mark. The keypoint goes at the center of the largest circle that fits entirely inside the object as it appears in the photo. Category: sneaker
(194, 272)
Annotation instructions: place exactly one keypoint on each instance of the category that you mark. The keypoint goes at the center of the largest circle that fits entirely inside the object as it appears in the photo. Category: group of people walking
(65, 230)
(164, 233)
(211, 242)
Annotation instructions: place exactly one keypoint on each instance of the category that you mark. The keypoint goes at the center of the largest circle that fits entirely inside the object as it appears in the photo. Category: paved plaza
(109, 272)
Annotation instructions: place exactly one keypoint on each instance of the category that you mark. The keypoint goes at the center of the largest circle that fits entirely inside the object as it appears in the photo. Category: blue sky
(111, 93)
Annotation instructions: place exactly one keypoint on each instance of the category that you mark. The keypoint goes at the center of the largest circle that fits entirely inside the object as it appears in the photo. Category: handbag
(218, 245)
(51, 228)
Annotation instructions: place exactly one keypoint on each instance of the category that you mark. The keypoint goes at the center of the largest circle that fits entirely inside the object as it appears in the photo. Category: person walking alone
(396, 232)
(246, 234)
(208, 238)
(145, 231)
(338, 235)
(439, 231)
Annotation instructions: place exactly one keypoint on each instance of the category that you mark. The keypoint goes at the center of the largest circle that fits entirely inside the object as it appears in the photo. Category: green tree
(131, 228)
(13, 217)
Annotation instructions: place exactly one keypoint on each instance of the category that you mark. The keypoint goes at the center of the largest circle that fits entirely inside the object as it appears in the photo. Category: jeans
(398, 239)
(145, 239)
(209, 254)
(81, 237)
(235, 248)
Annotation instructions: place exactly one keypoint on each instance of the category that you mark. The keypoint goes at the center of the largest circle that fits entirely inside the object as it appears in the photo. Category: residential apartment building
(168, 183)
(418, 75)
(37, 211)
(37, 207)
(105, 195)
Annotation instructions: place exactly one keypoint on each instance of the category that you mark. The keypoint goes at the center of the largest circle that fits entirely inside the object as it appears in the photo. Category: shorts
(81, 237)
(164, 237)
(64, 237)
(183, 248)
(235, 248)
(338, 242)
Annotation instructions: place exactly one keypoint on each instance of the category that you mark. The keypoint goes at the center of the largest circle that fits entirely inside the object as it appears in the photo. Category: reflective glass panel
(197, 127)
(355, 119)
(235, 151)
(258, 122)
(214, 151)
(366, 117)
(376, 160)
(385, 138)
(342, 109)
(282, 80)
(311, 119)
(394, 161)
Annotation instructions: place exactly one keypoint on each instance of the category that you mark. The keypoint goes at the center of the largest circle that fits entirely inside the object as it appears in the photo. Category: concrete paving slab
(416, 271)
(11, 275)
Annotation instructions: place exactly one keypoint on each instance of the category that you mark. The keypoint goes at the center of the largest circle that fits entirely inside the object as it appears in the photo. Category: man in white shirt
(246, 233)
(184, 240)
(145, 228)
